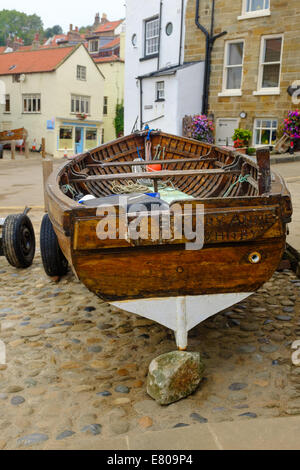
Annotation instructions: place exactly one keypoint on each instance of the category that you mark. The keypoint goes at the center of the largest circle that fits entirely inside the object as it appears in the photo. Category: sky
(66, 12)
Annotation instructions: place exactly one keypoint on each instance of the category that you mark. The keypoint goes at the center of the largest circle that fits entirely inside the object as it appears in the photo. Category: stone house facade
(252, 66)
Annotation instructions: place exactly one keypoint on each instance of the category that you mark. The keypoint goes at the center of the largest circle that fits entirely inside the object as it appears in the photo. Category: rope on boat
(241, 179)
(67, 188)
(128, 188)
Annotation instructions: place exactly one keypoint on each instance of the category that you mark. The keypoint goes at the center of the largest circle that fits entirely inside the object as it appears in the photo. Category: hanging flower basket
(81, 116)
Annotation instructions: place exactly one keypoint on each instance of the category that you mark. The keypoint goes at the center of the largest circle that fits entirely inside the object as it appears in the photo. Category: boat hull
(245, 209)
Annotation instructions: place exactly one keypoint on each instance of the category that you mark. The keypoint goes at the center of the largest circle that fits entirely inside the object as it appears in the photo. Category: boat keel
(181, 314)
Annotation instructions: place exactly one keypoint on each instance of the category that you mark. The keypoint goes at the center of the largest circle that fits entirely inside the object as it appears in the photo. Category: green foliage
(50, 32)
(119, 120)
(242, 134)
(19, 24)
(85, 29)
(251, 151)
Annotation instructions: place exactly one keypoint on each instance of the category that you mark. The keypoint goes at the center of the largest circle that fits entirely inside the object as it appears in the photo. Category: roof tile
(40, 60)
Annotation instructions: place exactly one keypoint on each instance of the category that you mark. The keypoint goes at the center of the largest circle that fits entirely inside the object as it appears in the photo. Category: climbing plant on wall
(119, 120)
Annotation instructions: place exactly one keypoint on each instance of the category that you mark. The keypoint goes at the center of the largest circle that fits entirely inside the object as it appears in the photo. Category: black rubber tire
(18, 240)
(54, 261)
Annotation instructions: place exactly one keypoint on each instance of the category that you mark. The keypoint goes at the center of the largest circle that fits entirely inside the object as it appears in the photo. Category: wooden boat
(246, 211)
(17, 135)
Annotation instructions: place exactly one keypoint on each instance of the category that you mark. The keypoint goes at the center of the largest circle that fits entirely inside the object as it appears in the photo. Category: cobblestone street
(76, 367)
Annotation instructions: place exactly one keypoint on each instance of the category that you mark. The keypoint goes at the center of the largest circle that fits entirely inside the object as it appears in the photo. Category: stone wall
(284, 19)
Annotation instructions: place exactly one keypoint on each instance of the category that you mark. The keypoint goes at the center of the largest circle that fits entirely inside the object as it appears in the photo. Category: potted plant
(203, 129)
(241, 139)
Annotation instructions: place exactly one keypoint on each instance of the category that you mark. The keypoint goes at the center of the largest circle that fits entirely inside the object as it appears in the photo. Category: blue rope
(147, 128)
(138, 151)
(241, 179)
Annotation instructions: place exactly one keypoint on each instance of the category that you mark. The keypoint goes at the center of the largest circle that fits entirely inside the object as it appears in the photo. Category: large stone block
(174, 375)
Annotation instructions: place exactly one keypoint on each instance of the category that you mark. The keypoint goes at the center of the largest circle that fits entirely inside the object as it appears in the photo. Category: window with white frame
(152, 36)
(265, 131)
(255, 8)
(94, 45)
(80, 104)
(31, 104)
(270, 64)
(81, 72)
(233, 67)
(160, 91)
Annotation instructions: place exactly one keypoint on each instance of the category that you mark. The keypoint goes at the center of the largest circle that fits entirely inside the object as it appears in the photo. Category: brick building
(252, 66)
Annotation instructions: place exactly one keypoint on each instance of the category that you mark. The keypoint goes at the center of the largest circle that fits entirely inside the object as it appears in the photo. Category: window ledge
(230, 93)
(266, 92)
(148, 57)
(254, 14)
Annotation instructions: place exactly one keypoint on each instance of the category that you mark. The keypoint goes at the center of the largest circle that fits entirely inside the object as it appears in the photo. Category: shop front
(77, 137)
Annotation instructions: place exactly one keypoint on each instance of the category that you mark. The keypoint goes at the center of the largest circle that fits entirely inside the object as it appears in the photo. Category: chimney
(104, 18)
(97, 20)
(16, 43)
(36, 42)
(74, 34)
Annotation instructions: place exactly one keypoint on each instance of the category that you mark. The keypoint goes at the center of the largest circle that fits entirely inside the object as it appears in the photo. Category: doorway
(79, 137)
(225, 130)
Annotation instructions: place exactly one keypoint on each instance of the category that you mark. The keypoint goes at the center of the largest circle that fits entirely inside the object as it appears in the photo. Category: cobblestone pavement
(76, 367)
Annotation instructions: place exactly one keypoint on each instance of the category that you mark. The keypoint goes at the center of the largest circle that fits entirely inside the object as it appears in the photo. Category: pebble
(237, 386)
(104, 326)
(64, 435)
(122, 389)
(288, 309)
(145, 422)
(89, 309)
(93, 429)
(105, 393)
(14, 389)
(268, 348)
(198, 418)
(122, 401)
(17, 400)
(249, 415)
(32, 439)
(283, 318)
(95, 349)
(246, 349)
(119, 427)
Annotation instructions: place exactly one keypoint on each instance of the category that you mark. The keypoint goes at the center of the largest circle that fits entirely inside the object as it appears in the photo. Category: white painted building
(55, 93)
(160, 88)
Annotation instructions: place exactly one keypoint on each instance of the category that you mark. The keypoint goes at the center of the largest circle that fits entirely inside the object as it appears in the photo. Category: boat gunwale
(67, 204)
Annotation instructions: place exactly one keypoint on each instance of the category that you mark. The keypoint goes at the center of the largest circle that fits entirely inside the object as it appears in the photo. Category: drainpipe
(210, 40)
(159, 39)
(181, 31)
(141, 103)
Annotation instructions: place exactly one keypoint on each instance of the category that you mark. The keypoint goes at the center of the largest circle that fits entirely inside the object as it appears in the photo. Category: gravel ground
(76, 367)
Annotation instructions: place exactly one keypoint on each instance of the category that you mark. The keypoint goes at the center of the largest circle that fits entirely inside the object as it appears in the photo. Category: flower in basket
(202, 129)
(81, 116)
(291, 126)
(238, 144)
(241, 138)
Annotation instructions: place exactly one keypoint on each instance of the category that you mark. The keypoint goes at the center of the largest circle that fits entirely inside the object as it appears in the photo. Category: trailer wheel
(54, 261)
(18, 240)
